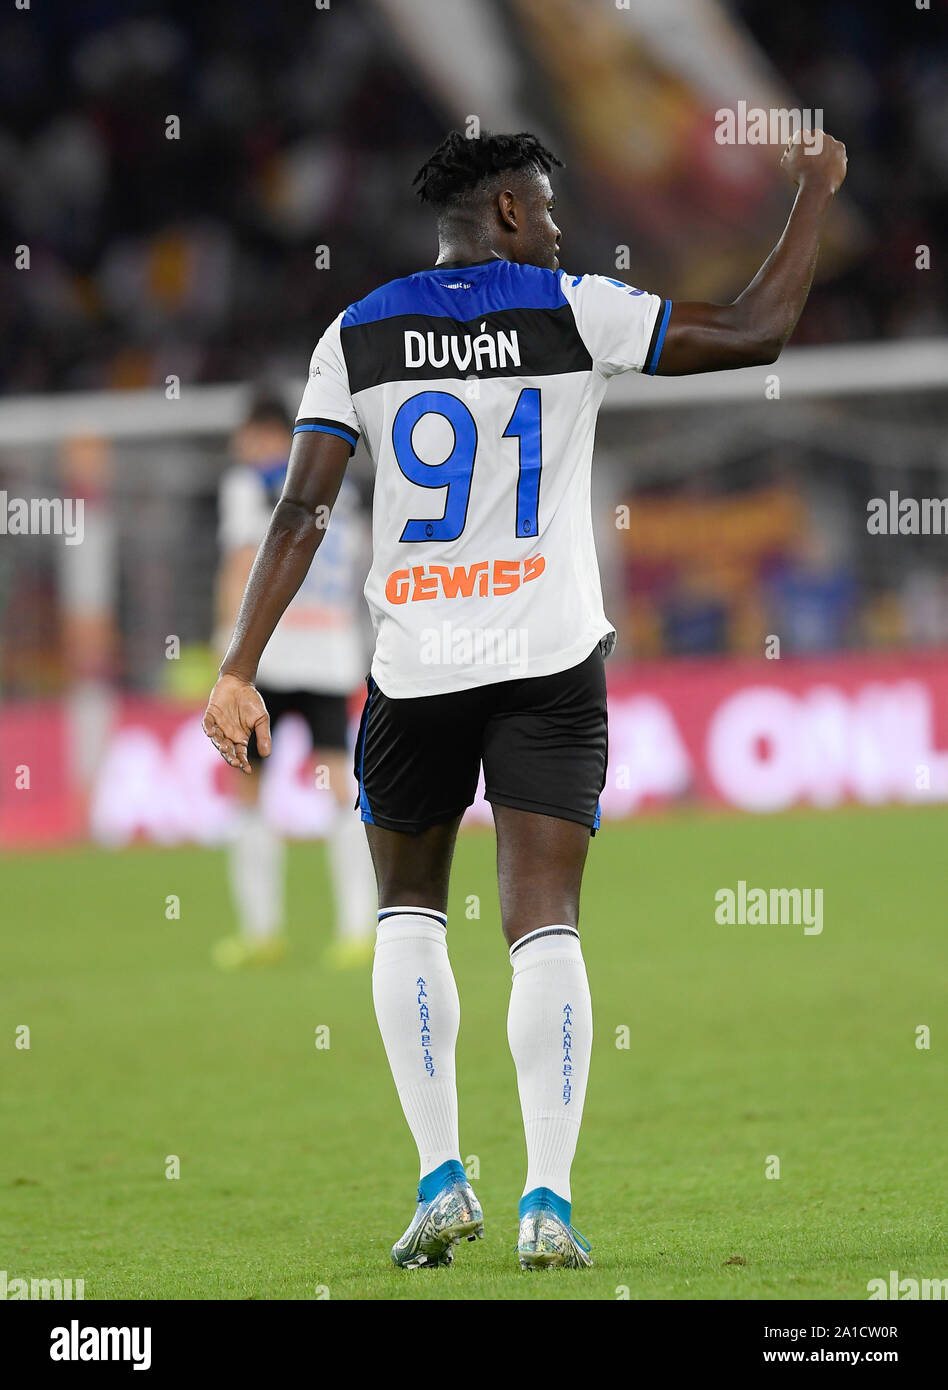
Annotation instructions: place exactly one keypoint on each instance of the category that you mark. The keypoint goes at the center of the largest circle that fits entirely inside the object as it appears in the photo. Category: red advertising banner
(755, 736)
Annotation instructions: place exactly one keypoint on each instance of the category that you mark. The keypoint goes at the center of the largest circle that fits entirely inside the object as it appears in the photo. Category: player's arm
(315, 472)
(753, 330)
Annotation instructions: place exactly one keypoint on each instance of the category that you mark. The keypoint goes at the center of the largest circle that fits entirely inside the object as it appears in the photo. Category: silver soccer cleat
(437, 1226)
(547, 1242)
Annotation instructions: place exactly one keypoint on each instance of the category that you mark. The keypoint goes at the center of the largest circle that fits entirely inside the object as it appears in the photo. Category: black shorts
(326, 717)
(543, 741)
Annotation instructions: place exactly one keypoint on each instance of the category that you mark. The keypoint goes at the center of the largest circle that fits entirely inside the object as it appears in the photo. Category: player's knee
(396, 894)
(516, 924)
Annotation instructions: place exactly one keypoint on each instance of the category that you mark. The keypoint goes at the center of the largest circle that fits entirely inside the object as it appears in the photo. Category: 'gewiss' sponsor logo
(462, 581)
(475, 351)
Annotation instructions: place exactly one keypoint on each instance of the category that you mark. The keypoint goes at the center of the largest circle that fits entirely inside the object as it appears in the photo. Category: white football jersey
(476, 391)
(317, 645)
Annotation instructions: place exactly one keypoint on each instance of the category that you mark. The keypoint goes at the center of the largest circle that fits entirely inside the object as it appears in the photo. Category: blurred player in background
(313, 662)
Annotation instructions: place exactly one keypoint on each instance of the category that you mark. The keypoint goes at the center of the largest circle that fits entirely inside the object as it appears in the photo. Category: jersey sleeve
(622, 327)
(243, 510)
(327, 402)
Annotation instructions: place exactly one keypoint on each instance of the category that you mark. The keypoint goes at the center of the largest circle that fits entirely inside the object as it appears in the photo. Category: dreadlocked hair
(458, 165)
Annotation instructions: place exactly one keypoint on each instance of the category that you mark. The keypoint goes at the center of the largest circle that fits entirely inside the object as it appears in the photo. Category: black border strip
(333, 424)
(654, 338)
(440, 917)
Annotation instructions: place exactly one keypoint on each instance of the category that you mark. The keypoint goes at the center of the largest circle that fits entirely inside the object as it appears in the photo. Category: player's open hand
(814, 155)
(235, 711)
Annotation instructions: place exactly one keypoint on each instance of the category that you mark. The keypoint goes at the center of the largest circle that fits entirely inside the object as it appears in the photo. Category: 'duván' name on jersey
(478, 351)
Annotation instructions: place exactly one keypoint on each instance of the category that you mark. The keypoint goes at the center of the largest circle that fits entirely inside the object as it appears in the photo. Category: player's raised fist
(814, 156)
(235, 711)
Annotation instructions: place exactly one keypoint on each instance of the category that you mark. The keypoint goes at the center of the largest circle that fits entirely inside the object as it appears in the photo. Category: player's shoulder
(380, 303)
(597, 285)
(460, 292)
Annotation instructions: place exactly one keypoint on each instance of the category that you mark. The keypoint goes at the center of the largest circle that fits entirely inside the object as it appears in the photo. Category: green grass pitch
(297, 1171)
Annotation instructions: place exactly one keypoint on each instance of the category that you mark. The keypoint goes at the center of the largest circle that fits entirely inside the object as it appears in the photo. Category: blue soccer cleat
(447, 1212)
(547, 1240)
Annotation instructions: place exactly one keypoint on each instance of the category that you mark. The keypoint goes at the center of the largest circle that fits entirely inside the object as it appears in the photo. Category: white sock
(255, 863)
(549, 1028)
(352, 876)
(417, 1007)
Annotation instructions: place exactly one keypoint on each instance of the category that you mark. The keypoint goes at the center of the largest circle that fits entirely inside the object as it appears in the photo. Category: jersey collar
(465, 265)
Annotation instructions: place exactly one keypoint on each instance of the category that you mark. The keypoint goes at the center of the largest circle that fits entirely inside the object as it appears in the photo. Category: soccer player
(312, 664)
(475, 385)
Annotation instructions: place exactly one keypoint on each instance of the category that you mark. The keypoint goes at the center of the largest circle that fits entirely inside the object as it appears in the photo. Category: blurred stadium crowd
(197, 253)
(200, 256)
